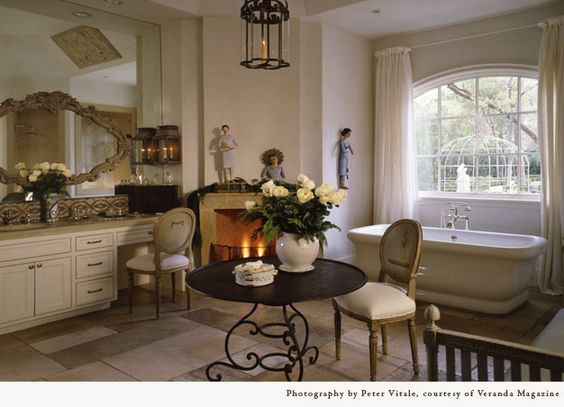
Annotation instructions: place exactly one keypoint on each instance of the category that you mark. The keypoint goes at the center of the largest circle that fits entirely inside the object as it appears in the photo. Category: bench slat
(482, 367)
(450, 364)
(466, 366)
(498, 370)
(515, 371)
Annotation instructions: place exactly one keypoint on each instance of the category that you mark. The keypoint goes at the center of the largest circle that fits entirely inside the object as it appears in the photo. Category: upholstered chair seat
(146, 262)
(377, 301)
(172, 237)
(384, 302)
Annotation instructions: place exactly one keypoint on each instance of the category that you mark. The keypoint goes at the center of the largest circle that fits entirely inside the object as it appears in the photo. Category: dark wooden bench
(525, 363)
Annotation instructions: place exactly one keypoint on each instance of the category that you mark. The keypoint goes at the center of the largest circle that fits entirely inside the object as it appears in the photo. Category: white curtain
(395, 166)
(551, 140)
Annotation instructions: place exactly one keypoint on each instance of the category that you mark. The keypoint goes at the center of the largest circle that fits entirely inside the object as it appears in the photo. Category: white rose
(44, 167)
(324, 200)
(250, 204)
(324, 189)
(32, 178)
(54, 166)
(61, 167)
(67, 173)
(279, 192)
(309, 184)
(24, 173)
(20, 166)
(36, 173)
(337, 197)
(267, 187)
(302, 179)
(304, 195)
(334, 198)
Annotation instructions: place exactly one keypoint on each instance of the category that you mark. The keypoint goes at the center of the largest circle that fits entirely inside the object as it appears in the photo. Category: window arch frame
(436, 80)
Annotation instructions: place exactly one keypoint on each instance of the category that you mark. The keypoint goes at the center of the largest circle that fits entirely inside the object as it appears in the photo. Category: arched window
(477, 133)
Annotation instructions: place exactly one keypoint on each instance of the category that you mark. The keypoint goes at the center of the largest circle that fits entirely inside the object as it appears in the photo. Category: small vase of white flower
(47, 181)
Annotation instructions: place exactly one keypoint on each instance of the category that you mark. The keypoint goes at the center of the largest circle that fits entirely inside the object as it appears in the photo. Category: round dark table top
(330, 278)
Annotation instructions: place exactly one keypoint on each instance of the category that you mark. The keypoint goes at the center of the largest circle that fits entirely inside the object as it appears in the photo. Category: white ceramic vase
(295, 253)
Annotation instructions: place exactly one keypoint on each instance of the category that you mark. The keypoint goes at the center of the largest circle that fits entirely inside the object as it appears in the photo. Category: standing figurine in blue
(227, 146)
(345, 147)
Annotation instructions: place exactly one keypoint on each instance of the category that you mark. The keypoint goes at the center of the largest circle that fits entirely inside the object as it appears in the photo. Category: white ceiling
(401, 16)
(396, 16)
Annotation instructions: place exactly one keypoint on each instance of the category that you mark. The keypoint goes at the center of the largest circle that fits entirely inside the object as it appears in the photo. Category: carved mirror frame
(54, 102)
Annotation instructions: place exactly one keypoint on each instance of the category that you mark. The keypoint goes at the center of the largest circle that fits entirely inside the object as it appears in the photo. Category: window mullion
(440, 146)
(476, 158)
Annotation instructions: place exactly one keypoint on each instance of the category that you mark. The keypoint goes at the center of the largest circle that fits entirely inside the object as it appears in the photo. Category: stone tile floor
(113, 345)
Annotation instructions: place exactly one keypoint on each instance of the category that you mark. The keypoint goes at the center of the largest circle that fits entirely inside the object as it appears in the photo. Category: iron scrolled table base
(294, 353)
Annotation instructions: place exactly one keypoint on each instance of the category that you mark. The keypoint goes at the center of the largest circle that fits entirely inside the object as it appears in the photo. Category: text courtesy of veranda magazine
(418, 394)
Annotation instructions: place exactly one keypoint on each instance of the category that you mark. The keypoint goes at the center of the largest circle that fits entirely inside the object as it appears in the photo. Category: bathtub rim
(536, 247)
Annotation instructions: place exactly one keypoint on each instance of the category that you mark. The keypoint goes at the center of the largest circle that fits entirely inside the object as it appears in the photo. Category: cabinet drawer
(16, 251)
(88, 265)
(94, 241)
(98, 290)
(137, 235)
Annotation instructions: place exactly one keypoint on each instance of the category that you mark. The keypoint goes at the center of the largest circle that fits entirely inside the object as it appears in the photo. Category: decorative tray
(254, 274)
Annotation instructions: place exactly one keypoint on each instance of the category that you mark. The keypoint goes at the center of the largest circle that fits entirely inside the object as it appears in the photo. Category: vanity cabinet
(63, 270)
(34, 288)
(17, 292)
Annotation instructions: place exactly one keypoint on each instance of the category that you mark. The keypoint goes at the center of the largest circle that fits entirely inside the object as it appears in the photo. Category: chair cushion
(377, 301)
(168, 262)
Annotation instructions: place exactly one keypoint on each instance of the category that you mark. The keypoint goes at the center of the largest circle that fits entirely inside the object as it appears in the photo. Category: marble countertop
(23, 230)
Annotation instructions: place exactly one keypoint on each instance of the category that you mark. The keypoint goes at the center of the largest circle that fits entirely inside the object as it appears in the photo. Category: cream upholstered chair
(380, 303)
(172, 236)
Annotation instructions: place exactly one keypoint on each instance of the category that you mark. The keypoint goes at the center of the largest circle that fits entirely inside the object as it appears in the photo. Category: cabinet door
(52, 285)
(16, 292)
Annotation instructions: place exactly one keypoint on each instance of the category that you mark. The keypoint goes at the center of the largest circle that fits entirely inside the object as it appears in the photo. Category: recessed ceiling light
(114, 2)
(82, 14)
(376, 11)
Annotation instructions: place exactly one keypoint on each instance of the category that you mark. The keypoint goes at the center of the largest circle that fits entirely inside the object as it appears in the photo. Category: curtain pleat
(395, 167)
(551, 142)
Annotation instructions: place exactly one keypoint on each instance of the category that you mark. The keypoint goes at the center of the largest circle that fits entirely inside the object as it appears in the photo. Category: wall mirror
(69, 57)
(38, 127)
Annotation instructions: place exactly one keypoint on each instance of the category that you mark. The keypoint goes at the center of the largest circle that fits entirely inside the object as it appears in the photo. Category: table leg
(294, 353)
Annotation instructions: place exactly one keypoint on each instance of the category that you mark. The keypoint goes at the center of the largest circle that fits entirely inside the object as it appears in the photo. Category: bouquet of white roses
(44, 178)
(295, 208)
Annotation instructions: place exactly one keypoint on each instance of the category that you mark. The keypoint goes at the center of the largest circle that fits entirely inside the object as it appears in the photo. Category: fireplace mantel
(217, 201)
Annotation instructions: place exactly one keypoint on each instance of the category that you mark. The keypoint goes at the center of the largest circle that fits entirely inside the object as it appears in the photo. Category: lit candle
(263, 50)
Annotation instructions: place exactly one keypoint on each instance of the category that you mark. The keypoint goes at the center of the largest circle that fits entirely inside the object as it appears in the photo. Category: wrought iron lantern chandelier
(265, 34)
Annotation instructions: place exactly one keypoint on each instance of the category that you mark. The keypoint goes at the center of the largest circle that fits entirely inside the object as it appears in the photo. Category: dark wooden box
(149, 198)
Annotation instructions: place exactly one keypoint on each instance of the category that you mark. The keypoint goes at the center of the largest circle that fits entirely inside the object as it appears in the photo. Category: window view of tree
(479, 135)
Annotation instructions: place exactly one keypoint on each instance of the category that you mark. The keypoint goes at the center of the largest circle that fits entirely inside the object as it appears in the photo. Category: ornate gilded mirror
(40, 126)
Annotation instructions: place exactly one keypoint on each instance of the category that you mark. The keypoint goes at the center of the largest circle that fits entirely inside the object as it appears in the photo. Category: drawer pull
(94, 241)
(94, 291)
(39, 265)
(95, 264)
(31, 267)
(150, 233)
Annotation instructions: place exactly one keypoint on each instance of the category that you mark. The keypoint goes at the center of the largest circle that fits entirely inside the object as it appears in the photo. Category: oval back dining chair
(172, 236)
(383, 302)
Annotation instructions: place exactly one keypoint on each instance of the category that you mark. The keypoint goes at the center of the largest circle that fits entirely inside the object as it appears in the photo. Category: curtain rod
(474, 36)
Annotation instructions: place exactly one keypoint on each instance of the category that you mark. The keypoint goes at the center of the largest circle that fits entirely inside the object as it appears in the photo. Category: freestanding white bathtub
(479, 271)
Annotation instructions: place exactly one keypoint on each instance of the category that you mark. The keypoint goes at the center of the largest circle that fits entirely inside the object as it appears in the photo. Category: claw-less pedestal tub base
(478, 271)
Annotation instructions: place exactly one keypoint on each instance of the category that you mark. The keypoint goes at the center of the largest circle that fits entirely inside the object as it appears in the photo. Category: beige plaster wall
(182, 96)
(348, 102)
(261, 107)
